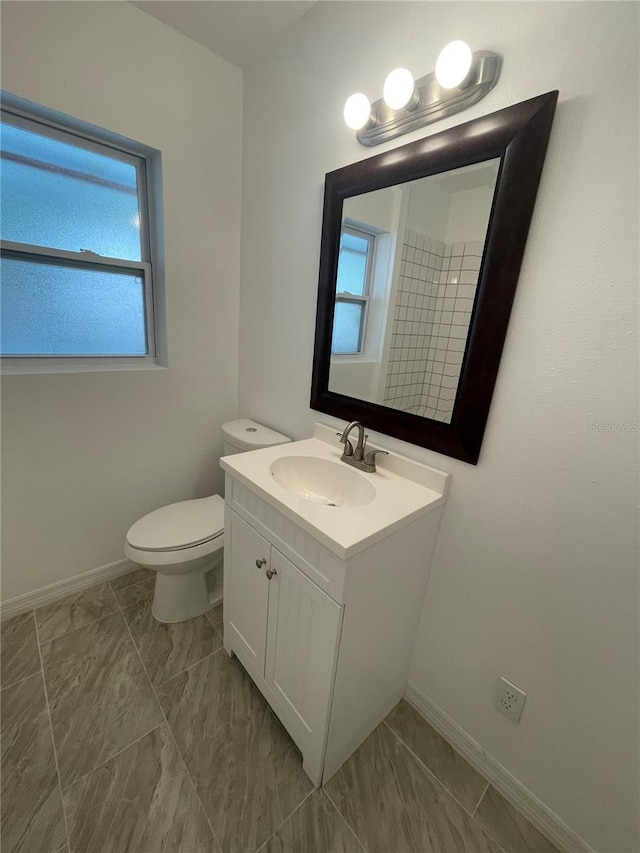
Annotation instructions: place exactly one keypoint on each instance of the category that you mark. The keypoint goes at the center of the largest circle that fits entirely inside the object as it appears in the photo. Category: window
(76, 237)
(355, 260)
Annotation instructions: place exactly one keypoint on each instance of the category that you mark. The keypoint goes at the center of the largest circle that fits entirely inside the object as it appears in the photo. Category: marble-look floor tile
(216, 614)
(316, 827)
(74, 611)
(32, 817)
(99, 695)
(245, 767)
(168, 649)
(513, 832)
(136, 576)
(447, 765)
(19, 647)
(392, 803)
(140, 801)
(135, 593)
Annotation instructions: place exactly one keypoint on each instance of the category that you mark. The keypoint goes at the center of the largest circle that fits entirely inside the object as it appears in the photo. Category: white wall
(352, 377)
(535, 575)
(84, 455)
(377, 208)
(428, 208)
(469, 215)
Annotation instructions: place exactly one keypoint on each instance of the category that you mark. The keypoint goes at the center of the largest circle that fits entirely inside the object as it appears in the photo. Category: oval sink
(322, 481)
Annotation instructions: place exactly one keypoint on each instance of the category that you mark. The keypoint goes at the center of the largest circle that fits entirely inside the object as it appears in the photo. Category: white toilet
(183, 542)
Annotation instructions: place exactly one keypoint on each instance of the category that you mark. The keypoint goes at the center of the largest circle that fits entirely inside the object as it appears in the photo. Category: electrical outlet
(509, 699)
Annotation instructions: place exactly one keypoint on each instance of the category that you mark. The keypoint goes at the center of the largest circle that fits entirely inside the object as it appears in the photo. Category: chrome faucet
(358, 455)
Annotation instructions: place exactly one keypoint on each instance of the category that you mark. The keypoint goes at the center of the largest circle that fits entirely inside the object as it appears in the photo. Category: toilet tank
(243, 434)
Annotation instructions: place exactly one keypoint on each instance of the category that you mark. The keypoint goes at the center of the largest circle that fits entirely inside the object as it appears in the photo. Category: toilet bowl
(183, 542)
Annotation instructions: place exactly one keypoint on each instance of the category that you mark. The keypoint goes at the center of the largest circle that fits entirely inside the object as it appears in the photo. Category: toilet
(183, 542)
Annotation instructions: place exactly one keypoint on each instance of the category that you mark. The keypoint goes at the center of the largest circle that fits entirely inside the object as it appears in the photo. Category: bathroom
(534, 575)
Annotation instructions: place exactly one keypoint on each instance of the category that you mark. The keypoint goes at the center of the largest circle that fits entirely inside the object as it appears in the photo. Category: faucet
(358, 456)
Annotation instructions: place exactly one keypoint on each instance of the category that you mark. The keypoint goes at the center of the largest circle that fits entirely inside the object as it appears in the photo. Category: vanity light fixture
(453, 64)
(357, 111)
(399, 89)
(461, 78)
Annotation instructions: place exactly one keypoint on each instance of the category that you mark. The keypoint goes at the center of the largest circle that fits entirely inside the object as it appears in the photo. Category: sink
(322, 481)
(343, 509)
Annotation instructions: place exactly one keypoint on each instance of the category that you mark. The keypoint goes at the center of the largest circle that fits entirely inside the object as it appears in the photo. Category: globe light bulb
(453, 64)
(357, 111)
(398, 88)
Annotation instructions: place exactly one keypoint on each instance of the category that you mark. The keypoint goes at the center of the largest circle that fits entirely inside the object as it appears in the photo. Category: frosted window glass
(49, 309)
(352, 264)
(347, 327)
(61, 196)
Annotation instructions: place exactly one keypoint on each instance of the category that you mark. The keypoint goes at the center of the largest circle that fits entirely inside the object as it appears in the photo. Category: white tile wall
(436, 292)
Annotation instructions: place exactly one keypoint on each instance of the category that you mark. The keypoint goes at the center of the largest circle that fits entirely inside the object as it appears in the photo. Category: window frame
(147, 163)
(349, 227)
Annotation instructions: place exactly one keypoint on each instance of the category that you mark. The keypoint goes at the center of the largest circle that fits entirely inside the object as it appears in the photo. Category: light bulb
(357, 110)
(398, 88)
(453, 64)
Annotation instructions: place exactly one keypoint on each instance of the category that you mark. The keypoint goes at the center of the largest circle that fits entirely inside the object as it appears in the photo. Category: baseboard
(60, 589)
(504, 782)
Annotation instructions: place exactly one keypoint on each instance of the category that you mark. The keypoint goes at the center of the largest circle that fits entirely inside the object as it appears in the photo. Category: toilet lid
(179, 525)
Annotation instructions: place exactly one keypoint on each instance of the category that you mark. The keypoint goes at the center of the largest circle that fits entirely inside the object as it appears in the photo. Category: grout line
(209, 618)
(90, 622)
(170, 730)
(122, 589)
(110, 757)
(53, 742)
(344, 820)
(133, 583)
(430, 772)
(482, 828)
(187, 668)
(480, 800)
(211, 622)
(80, 628)
(124, 609)
(279, 827)
(20, 680)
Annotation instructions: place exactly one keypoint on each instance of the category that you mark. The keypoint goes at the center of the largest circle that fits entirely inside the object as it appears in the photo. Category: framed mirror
(420, 256)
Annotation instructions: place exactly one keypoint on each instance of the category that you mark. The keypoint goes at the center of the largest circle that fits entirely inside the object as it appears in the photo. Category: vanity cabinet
(285, 630)
(328, 641)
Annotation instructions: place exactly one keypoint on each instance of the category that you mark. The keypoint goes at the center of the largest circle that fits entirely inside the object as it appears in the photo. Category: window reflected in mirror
(355, 261)
(408, 269)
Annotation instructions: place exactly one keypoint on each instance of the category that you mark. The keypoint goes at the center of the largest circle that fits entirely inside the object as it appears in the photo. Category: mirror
(406, 282)
(420, 255)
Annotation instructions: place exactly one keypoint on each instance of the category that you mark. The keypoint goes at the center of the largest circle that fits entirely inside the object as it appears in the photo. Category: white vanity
(325, 570)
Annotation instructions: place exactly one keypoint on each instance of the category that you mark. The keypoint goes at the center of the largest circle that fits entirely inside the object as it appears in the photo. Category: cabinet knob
(271, 573)
(260, 563)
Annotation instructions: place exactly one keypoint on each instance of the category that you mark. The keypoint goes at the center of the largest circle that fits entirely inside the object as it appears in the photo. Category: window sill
(31, 366)
(353, 358)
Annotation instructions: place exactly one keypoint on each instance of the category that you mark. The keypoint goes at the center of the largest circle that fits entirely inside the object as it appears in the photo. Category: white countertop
(405, 490)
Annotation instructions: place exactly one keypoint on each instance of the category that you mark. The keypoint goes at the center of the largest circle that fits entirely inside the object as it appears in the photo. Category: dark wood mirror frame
(518, 135)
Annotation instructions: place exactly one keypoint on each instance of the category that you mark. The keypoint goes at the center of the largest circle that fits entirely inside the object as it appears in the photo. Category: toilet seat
(178, 526)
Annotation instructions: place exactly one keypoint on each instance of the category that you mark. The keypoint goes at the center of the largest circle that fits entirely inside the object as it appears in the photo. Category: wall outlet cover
(509, 699)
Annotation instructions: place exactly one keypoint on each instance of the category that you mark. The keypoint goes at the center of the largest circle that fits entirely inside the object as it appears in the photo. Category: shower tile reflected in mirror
(418, 288)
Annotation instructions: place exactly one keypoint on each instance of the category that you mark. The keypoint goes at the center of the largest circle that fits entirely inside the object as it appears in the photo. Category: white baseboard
(511, 789)
(54, 591)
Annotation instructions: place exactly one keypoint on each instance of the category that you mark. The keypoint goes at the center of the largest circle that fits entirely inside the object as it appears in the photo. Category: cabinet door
(304, 631)
(246, 592)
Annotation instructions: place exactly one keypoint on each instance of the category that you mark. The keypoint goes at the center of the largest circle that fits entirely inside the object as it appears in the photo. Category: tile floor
(121, 735)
